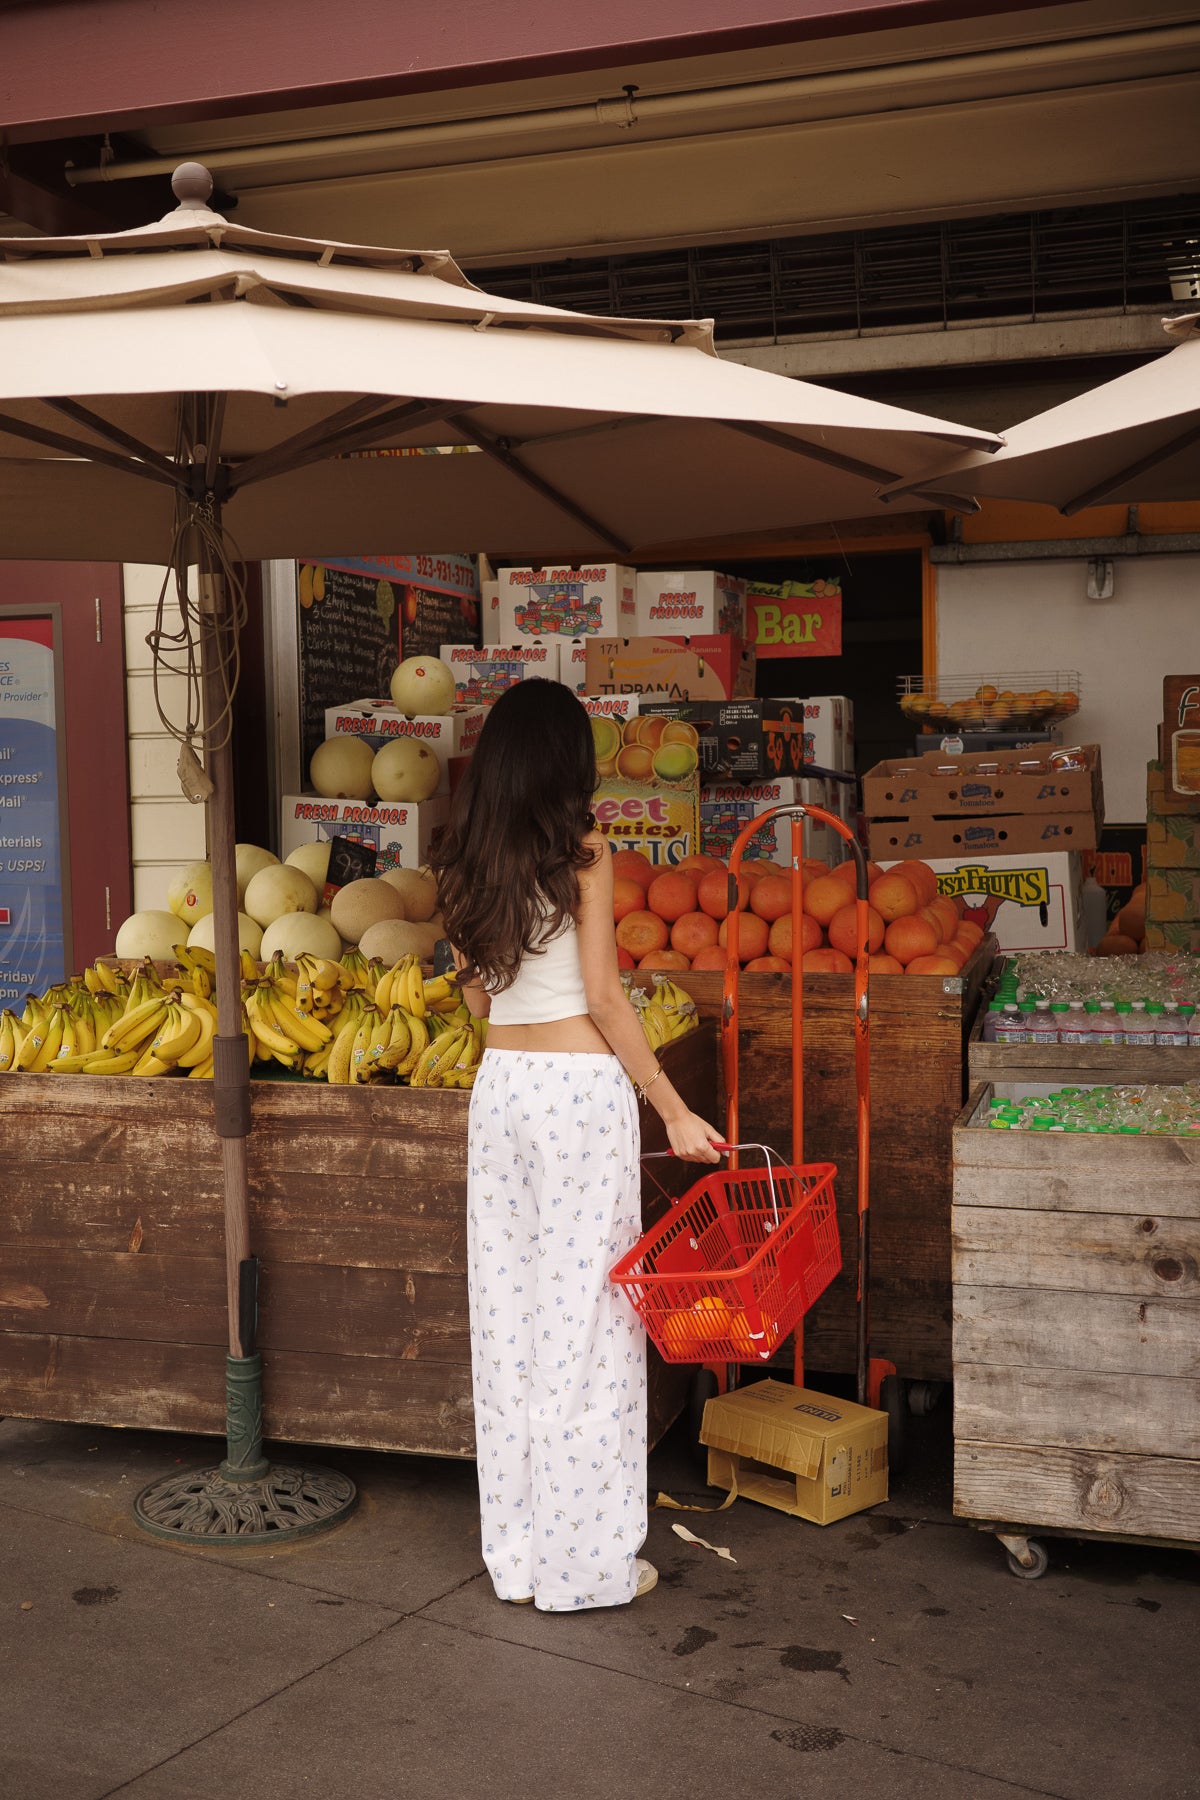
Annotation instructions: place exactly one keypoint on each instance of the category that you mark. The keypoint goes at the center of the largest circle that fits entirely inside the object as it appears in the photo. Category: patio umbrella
(196, 392)
(1135, 439)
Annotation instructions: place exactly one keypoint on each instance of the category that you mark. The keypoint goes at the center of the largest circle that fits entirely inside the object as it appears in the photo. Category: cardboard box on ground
(808, 1454)
(1031, 902)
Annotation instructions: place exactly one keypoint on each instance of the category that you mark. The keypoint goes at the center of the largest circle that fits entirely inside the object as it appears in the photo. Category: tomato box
(690, 600)
(940, 786)
(1004, 834)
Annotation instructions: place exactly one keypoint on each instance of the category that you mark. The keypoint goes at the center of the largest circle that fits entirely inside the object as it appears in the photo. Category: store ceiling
(1017, 111)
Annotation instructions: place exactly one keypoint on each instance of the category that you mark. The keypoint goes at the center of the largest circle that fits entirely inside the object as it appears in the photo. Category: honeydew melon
(313, 859)
(341, 769)
(278, 890)
(423, 684)
(403, 769)
(249, 859)
(190, 894)
(301, 934)
(361, 904)
(152, 934)
(201, 937)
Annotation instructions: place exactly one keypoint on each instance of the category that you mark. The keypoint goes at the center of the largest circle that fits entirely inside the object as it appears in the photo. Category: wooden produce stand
(112, 1255)
(1076, 1326)
(919, 1027)
(1079, 1065)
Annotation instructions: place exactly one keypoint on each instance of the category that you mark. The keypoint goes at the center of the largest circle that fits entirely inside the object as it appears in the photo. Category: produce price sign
(436, 597)
(32, 953)
(795, 618)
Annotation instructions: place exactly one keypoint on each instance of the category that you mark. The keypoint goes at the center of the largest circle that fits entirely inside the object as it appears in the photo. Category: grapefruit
(628, 896)
(843, 930)
(907, 938)
(931, 965)
(693, 932)
(641, 933)
(765, 964)
(671, 895)
(713, 893)
(824, 898)
(712, 958)
(752, 936)
(894, 897)
(884, 965)
(772, 897)
(664, 959)
(827, 962)
(634, 866)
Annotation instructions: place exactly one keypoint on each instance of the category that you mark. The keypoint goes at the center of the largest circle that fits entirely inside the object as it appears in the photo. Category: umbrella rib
(767, 434)
(73, 447)
(113, 434)
(320, 441)
(507, 458)
(1132, 470)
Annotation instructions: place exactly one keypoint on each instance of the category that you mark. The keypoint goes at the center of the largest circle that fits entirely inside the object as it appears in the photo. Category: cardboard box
(448, 735)
(399, 832)
(482, 675)
(611, 706)
(1173, 894)
(804, 1453)
(1005, 834)
(690, 600)
(938, 786)
(659, 818)
(572, 663)
(1180, 740)
(727, 806)
(828, 730)
(1177, 934)
(1173, 842)
(1029, 902)
(976, 743)
(1161, 802)
(744, 740)
(700, 668)
(595, 601)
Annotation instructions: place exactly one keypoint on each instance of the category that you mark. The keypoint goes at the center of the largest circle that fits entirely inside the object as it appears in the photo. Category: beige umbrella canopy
(199, 392)
(596, 436)
(1135, 439)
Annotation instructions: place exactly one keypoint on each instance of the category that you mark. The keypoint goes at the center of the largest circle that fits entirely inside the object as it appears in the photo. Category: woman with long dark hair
(554, 1188)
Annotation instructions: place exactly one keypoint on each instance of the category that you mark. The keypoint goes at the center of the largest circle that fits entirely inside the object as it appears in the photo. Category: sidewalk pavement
(890, 1656)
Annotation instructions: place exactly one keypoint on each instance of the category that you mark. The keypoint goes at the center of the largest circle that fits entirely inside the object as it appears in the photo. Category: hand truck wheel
(1039, 1561)
(893, 1403)
(923, 1397)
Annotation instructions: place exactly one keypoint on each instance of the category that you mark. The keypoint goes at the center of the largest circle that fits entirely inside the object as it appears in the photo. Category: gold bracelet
(643, 1087)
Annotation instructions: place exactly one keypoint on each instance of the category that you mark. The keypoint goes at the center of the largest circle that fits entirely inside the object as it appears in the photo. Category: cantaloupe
(423, 684)
(404, 769)
(300, 934)
(341, 769)
(393, 938)
(417, 892)
(313, 859)
(249, 934)
(189, 895)
(250, 858)
(361, 904)
(278, 890)
(152, 934)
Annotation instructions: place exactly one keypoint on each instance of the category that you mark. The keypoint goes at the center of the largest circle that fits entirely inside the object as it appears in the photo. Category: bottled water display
(1122, 1111)
(1054, 997)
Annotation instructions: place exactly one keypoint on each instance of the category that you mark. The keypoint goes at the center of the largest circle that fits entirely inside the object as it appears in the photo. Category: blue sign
(31, 901)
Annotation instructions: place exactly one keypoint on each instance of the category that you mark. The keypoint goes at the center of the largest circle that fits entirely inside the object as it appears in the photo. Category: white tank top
(549, 984)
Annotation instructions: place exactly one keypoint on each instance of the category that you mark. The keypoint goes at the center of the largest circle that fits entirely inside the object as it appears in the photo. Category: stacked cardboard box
(1172, 864)
(938, 806)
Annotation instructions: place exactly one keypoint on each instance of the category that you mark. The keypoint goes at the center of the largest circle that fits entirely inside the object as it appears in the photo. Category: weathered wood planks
(112, 1270)
(1076, 1330)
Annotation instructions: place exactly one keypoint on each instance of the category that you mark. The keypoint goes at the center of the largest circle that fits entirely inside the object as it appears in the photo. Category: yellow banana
(202, 1071)
(135, 1024)
(9, 1042)
(418, 1044)
(106, 1062)
(178, 1035)
(150, 1064)
(51, 1043)
(338, 1067)
(325, 973)
(360, 1059)
(308, 1032)
(248, 966)
(201, 1050)
(265, 1028)
(354, 969)
(441, 1055)
(399, 1039)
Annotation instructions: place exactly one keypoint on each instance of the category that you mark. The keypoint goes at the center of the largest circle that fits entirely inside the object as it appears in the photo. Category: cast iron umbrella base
(245, 1499)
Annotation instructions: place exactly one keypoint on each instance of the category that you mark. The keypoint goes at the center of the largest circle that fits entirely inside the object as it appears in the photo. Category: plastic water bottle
(1060, 1023)
(992, 1018)
(1193, 1028)
(1171, 1029)
(1073, 1029)
(1139, 1029)
(1110, 1031)
(1010, 1027)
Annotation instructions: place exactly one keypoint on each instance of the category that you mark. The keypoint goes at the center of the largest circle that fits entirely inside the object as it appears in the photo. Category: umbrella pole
(246, 1499)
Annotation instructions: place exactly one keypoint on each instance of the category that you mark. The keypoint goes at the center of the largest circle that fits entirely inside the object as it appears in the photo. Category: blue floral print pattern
(558, 1354)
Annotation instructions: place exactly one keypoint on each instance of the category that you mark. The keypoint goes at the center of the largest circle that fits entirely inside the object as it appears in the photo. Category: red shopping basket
(726, 1275)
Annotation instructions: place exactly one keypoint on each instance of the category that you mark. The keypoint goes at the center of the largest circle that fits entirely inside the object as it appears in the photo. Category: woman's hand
(693, 1138)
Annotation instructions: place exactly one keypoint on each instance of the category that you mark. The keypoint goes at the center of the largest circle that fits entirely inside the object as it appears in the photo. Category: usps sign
(796, 618)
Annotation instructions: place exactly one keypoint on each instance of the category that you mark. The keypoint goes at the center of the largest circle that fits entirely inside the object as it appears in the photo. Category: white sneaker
(647, 1577)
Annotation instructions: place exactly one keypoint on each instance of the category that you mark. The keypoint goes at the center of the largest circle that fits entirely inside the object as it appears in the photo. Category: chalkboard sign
(349, 643)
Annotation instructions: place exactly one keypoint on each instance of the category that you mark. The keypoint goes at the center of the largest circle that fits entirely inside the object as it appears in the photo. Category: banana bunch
(404, 985)
(278, 1027)
(356, 972)
(666, 1014)
(451, 1058)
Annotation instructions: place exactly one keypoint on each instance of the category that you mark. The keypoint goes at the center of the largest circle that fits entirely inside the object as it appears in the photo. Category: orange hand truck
(730, 1270)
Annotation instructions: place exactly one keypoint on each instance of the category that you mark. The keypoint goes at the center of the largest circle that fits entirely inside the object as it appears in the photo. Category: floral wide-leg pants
(558, 1354)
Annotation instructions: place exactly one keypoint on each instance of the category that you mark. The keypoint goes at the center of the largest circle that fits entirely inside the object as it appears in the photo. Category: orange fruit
(967, 928)
(671, 895)
(642, 932)
(712, 958)
(893, 896)
(771, 897)
(824, 898)
(764, 964)
(752, 936)
(713, 893)
(843, 930)
(697, 865)
(884, 965)
(949, 911)
(755, 868)
(634, 866)
(782, 935)
(826, 962)
(665, 959)
(910, 937)
(624, 960)
(628, 896)
(932, 965)
(693, 932)
(934, 919)
(848, 872)
(920, 877)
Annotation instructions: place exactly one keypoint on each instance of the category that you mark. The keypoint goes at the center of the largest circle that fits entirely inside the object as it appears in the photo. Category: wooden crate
(919, 1028)
(1076, 1330)
(112, 1256)
(1061, 1064)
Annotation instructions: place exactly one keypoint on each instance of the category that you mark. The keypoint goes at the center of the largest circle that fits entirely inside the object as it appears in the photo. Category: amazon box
(804, 1453)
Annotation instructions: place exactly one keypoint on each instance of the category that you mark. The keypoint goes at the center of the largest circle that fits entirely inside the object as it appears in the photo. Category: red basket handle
(726, 1150)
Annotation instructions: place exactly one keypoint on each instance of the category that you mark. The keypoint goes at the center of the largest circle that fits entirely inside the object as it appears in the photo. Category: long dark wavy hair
(507, 861)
